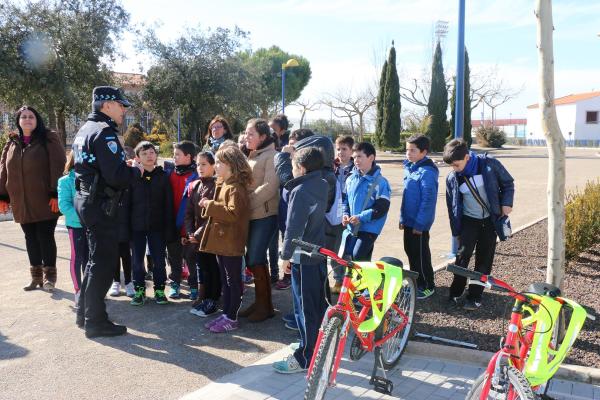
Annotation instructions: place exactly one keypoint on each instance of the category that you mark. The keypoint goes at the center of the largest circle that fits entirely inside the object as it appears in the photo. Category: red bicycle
(381, 322)
(536, 342)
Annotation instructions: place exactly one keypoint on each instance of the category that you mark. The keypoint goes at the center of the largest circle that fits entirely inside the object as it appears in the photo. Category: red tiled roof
(129, 79)
(572, 98)
(476, 123)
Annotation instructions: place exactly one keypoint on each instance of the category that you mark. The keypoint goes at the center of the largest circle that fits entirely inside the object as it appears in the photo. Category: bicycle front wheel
(393, 348)
(318, 381)
(512, 385)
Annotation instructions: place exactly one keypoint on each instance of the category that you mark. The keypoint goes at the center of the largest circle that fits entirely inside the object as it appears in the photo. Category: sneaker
(288, 366)
(294, 346)
(454, 302)
(193, 294)
(292, 325)
(289, 317)
(209, 324)
(336, 289)
(115, 289)
(174, 294)
(274, 279)
(149, 276)
(248, 277)
(159, 296)
(130, 289)
(139, 298)
(471, 305)
(422, 294)
(284, 283)
(207, 308)
(224, 325)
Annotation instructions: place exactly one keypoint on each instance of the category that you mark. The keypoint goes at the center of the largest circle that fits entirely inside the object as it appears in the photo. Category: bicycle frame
(352, 318)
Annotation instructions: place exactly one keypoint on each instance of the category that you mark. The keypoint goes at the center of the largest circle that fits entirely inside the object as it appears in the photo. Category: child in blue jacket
(366, 203)
(418, 211)
(79, 247)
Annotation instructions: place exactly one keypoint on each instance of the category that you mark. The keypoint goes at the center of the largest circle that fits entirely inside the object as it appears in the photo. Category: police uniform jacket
(97, 152)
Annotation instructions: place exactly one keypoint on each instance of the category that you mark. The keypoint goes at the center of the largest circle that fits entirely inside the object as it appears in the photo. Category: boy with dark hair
(418, 210)
(479, 190)
(366, 204)
(181, 173)
(151, 205)
(280, 124)
(307, 202)
(343, 166)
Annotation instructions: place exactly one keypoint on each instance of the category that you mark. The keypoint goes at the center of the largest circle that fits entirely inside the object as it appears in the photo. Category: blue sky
(346, 41)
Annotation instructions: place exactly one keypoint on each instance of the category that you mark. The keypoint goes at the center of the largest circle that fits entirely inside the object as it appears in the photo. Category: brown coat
(264, 192)
(226, 231)
(29, 176)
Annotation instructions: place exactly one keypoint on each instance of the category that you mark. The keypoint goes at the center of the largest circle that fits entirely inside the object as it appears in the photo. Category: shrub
(133, 135)
(490, 136)
(3, 139)
(582, 219)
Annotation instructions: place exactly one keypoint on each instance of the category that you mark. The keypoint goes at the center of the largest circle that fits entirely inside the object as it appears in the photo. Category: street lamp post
(460, 72)
(292, 62)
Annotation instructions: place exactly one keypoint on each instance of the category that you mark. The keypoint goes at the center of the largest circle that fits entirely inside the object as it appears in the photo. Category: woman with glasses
(218, 132)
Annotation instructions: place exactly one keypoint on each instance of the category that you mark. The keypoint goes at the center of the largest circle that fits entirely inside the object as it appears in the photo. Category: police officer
(101, 174)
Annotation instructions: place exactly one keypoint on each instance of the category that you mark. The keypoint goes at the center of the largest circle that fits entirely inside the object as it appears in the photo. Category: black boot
(106, 328)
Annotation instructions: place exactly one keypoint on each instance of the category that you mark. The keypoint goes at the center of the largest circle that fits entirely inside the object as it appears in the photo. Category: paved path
(414, 378)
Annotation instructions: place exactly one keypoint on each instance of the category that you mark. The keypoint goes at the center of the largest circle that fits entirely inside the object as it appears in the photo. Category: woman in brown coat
(31, 163)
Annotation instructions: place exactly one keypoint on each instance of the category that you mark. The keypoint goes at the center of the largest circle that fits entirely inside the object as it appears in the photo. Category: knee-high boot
(263, 307)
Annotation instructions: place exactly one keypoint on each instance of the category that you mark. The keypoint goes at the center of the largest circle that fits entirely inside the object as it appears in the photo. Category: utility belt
(106, 197)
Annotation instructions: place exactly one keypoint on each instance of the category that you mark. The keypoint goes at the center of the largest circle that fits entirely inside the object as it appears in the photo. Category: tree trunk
(555, 144)
(302, 118)
(61, 128)
(361, 127)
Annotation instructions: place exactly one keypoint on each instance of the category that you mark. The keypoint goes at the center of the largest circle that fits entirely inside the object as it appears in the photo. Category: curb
(567, 372)
(443, 265)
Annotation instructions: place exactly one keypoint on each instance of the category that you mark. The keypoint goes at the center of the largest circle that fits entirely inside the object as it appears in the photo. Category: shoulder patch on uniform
(112, 145)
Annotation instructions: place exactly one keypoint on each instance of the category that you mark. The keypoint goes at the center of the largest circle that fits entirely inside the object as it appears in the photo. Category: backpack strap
(476, 195)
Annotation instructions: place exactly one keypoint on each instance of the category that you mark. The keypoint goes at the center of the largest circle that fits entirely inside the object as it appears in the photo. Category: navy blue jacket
(499, 187)
(420, 194)
(307, 201)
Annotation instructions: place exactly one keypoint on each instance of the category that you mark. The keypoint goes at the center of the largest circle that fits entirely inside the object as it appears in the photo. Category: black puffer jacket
(151, 203)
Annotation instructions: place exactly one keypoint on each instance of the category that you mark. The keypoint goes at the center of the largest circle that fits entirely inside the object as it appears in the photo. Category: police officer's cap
(109, 93)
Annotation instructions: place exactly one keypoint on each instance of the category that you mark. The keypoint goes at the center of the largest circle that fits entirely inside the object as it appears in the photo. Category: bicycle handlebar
(314, 250)
(486, 280)
(467, 273)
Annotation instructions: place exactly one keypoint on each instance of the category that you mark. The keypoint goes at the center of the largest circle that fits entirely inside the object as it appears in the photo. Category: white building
(578, 117)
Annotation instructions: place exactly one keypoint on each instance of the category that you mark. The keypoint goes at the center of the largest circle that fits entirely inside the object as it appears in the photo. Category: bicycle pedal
(382, 385)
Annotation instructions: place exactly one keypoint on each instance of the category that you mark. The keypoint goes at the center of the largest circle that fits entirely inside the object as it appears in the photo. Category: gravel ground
(519, 261)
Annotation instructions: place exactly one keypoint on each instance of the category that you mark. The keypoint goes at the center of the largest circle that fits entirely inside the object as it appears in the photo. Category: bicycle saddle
(392, 261)
(544, 289)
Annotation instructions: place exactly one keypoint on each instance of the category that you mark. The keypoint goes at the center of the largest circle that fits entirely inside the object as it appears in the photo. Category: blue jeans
(157, 248)
(260, 235)
(360, 247)
(308, 293)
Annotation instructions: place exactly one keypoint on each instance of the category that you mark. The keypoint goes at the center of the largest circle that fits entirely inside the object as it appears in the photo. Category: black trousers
(211, 275)
(40, 243)
(125, 256)
(230, 268)
(477, 235)
(419, 257)
(103, 246)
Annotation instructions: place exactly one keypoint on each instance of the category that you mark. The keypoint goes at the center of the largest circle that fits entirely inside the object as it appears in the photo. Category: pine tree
(380, 97)
(466, 133)
(437, 105)
(391, 110)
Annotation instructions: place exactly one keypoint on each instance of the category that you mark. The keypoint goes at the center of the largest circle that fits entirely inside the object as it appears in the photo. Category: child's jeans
(360, 247)
(308, 291)
(156, 245)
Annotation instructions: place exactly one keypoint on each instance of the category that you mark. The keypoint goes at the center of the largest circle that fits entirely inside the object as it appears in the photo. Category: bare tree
(495, 93)
(306, 106)
(555, 143)
(348, 105)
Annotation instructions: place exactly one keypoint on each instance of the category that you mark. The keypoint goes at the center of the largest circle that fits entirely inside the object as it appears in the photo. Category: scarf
(472, 166)
(215, 143)
(184, 169)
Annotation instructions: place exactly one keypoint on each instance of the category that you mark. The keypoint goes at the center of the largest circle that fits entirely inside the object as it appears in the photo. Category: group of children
(197, 209)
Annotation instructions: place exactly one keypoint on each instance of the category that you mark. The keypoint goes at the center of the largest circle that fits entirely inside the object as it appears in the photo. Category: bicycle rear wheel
(393, 348)
(318, 381)
(512, 381)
